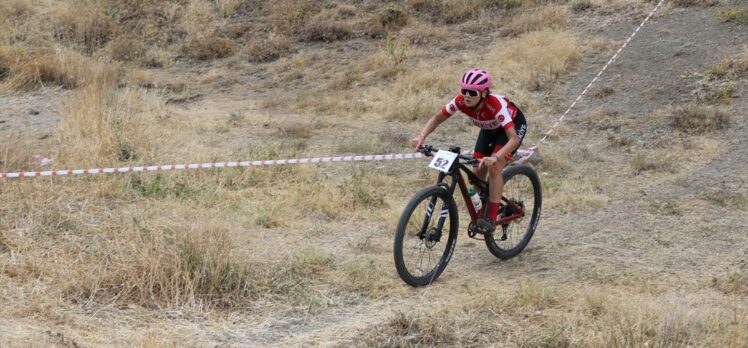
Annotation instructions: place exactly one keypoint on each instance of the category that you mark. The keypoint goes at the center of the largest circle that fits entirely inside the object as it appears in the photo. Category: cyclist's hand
(418, 142)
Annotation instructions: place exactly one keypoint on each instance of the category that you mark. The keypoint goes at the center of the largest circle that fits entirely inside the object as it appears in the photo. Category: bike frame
(455, 173)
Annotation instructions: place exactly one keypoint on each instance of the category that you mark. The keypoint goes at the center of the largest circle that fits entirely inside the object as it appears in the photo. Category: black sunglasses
(469, 92)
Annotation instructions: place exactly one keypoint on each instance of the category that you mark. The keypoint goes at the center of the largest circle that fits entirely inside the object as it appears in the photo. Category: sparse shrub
(413, 329)
(268, 48)
(126, 50)
(83, 23)
(15, 9)
(546, 17)
(366, 276)
(735, 282)
(731, 68)
(357, 146)
(411, 106)
(363, 193)
(395, 138)
(390, 18)
(344, 80)
(536, 58)
(156, 58)
(227, 8)
(726, 197)
(424, 34)
(737, 15)
(290, 16)
(582, 5)
(602, 92)
(270, 216)
(236, 118)
(27, 69)
(208, 48)
(101, 121)
(690, 3)
(458, 11)
(160, 188)
(670, 207)
(326, 31)
(164, 268)
(295, 130)
(533, 296)
(292, 279)
(715, 95)
(699, 120)
(657, 163)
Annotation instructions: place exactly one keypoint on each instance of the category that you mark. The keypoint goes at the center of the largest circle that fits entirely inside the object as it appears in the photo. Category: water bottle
(477, 204)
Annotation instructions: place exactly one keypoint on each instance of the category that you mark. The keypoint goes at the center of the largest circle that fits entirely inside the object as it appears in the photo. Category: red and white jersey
(497, 111)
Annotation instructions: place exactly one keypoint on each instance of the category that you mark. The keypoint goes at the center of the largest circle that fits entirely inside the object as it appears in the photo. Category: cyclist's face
(472, 99)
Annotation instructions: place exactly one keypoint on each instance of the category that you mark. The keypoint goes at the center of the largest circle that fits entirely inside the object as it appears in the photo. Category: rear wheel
(521, 186)
(426, 236)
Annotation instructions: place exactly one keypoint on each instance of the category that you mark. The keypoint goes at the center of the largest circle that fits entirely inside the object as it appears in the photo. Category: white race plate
(443, 160)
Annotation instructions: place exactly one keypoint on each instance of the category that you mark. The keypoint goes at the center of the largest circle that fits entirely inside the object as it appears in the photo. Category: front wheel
(426, 236)
(521, 186)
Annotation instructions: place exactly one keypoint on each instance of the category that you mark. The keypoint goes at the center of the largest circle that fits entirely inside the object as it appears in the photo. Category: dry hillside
(643, 239)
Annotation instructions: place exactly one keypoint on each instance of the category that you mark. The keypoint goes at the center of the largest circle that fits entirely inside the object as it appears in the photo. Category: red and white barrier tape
(211, 165)
(612, 59)
(524, 155)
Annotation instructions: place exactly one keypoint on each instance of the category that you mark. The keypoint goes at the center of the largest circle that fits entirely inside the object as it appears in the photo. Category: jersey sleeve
(451, 107)
(506, 114)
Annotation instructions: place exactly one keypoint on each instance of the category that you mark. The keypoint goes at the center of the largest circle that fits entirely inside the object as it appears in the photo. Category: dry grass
(535, 59)
(587, 317)
(690, 3)
(731, 68)
(546, 17)
(103, 126)
(699, 120)
(658, 162)
(737, 15)
(290, 17)
(26, 69)
(267, 49)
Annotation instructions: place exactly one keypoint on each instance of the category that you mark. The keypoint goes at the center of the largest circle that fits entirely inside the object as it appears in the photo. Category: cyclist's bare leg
(481, 171)
(495, 180)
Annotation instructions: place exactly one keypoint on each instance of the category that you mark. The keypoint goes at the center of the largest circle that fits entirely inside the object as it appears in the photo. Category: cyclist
(503, 127)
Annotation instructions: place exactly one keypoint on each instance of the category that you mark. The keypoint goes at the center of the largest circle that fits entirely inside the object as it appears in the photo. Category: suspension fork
(444, 212)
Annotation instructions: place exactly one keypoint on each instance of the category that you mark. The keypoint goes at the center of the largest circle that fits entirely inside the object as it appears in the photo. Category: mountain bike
(427, 230)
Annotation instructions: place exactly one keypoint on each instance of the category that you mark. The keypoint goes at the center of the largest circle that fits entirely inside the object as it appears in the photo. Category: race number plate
(443, 160)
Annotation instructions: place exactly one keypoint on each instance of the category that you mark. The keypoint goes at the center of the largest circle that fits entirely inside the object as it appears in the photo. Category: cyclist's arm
(434, 122)
(512, 144)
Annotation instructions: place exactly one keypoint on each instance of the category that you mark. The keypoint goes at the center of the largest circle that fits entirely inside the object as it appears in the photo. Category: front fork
(436, 236)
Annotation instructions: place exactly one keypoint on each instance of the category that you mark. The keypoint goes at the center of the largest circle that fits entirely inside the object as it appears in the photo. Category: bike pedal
(486, 225)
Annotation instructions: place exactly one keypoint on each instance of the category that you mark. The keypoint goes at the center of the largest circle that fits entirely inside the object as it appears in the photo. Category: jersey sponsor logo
(501, 118)
(521, 132)
(490, 124)
(451, 108)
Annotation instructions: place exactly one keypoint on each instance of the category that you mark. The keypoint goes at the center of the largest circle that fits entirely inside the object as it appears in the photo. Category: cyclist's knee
(494, 164)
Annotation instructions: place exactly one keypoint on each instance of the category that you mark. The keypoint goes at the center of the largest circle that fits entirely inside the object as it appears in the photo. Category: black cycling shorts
(491, 141)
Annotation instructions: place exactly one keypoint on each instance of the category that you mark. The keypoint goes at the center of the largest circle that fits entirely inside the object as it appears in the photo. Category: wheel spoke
(421, 255)
(520, 188)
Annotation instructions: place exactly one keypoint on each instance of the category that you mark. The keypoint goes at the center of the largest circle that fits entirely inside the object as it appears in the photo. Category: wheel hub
(430, 236)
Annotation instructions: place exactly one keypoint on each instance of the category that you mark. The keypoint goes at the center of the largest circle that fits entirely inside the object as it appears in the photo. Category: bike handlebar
(427, 150)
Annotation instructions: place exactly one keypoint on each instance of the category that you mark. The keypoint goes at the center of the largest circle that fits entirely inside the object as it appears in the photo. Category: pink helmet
(476, 79)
